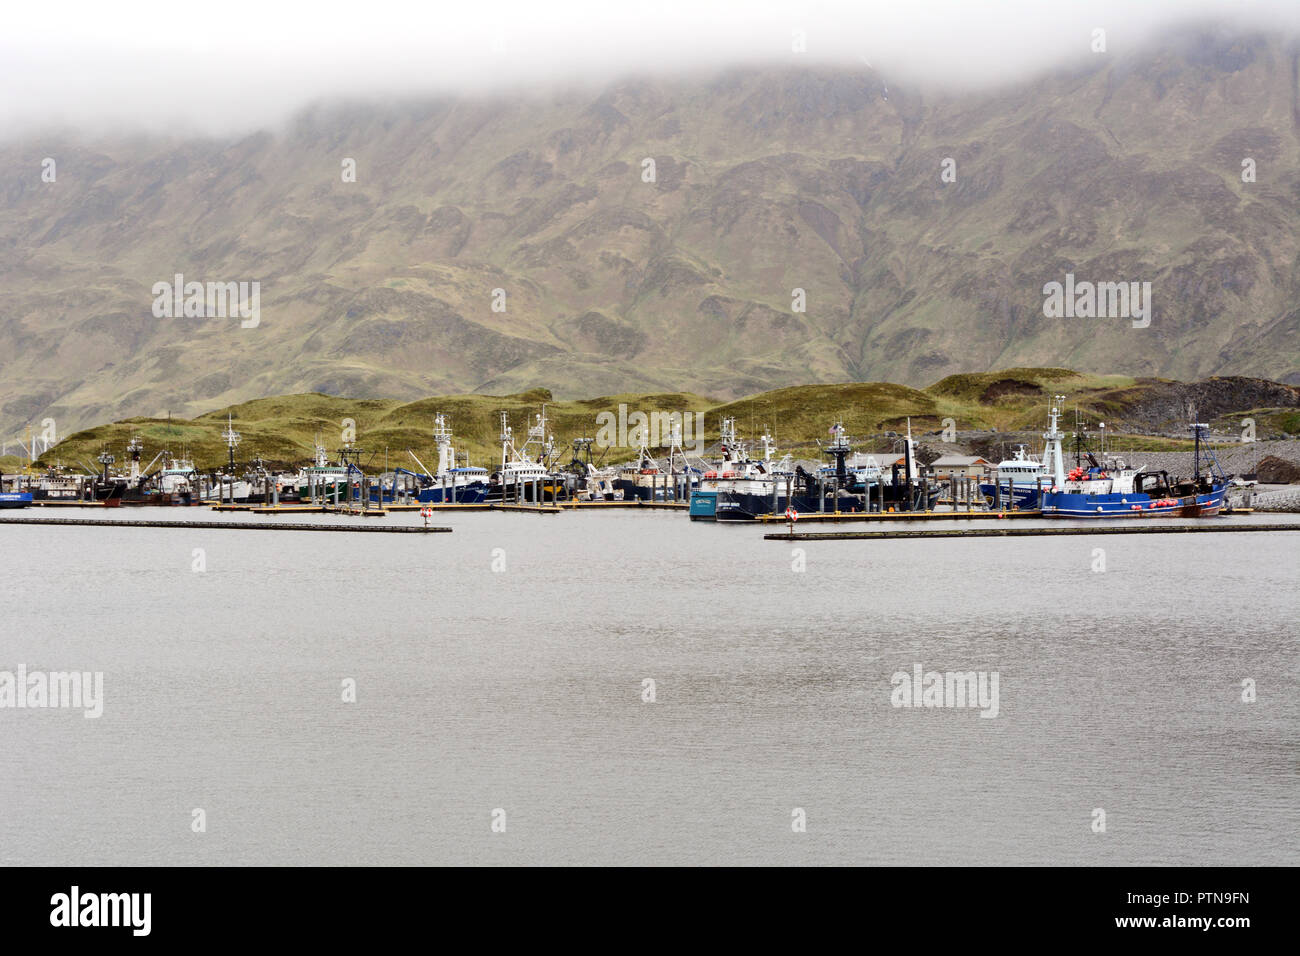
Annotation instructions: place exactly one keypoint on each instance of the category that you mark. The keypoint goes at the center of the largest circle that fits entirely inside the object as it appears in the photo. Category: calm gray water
(521, 689)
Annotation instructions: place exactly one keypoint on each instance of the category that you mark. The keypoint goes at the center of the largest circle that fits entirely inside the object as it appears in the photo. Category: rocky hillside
(765, 181)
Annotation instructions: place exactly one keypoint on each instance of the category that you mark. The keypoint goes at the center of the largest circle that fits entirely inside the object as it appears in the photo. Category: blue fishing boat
(1109, 488)
(15, 499)
(466, 484)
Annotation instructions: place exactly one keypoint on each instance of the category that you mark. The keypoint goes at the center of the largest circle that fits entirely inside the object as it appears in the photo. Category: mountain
(766, 180)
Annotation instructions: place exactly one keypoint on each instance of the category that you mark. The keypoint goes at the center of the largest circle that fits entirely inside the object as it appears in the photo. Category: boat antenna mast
(232, 440)
(442, 437)
(545, 442)
(727, 437)
(1203, 452)
(507, 440)
(1052, 456)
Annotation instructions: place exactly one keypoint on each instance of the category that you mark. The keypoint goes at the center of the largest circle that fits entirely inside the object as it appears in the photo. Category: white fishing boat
(520, 477)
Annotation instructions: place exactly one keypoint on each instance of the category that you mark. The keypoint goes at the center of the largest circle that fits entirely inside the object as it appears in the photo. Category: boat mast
(1052, 457)
(839, 450)
(442, 435)
(232, 439)
(133, 449)
(507, 441)
(674, 448)
(728, 438)
(909, 461)
(1198, 429)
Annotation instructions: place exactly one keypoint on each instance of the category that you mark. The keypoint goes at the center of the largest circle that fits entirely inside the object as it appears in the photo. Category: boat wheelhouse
(1019, 477)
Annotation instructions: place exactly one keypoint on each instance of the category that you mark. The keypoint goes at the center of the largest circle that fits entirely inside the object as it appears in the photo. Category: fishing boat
(644, 480)
(15, 498)
(177, 482)
(734, 465)
(57, 485)
(863, 478)
(1023, 475)
(520, 477)
(639, 479)
(747, 488)
(321, 478)
(591, 482)
(450, 484)
(1109, 488)
(766, 485)
(107, 488)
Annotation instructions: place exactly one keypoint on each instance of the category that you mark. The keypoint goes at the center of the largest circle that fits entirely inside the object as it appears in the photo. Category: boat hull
(744, 506)
(704, 505)
(662, 492)
(1024, 497)
(15, 499)
(471, 494)
(1131, 505)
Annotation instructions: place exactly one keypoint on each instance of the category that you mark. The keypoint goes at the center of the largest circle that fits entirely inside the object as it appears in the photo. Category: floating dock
(1078, 530)
(68, 503)
(230, 525)
(838, 516)
(522, 507)
(599, 505)
(301, 510)
(480, 506)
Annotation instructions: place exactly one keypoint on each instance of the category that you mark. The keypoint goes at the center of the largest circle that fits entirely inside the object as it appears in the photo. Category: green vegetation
(283, 429)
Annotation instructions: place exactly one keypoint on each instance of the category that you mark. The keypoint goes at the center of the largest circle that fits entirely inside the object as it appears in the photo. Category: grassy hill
(767, 180)
(283, 429)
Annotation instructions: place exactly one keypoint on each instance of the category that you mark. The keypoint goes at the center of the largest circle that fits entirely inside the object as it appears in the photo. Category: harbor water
(507, 667)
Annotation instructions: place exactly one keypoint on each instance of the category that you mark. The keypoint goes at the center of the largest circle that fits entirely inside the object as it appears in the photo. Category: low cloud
(239, 65)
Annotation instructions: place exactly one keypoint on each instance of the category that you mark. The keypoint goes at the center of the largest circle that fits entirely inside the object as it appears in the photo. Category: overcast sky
(236, 65)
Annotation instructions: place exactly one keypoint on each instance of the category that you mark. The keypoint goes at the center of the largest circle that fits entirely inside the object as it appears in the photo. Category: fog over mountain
(243, 65)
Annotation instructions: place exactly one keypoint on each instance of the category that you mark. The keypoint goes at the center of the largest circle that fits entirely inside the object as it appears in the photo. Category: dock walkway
(229, 525)
(1085, 530)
